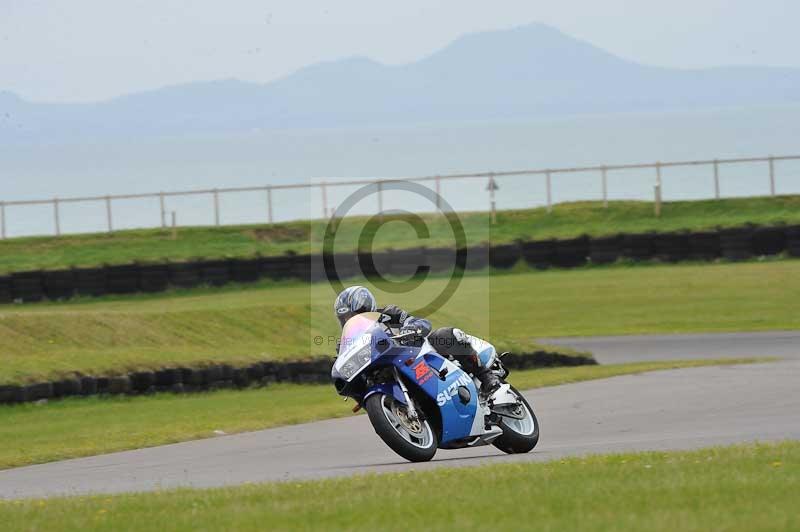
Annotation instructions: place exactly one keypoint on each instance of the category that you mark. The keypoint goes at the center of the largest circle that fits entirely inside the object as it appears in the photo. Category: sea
(261, 158)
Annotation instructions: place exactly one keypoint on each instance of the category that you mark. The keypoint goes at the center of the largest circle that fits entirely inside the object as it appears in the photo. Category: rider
(447, 341)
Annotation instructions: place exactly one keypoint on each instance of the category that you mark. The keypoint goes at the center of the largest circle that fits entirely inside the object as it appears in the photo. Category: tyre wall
(225, 376)
(739, 243)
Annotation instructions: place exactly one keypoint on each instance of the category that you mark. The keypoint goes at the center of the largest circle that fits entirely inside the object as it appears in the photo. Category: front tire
(519, 436)
(414, 441)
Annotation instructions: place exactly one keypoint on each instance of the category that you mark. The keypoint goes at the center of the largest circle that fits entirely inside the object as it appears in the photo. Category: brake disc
(413, 426)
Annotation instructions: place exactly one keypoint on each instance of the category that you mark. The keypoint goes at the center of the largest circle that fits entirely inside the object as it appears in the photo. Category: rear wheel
(414, 440)
(520, 427)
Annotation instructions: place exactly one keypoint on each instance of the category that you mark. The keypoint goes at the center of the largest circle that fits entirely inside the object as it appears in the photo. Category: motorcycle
(419, 401)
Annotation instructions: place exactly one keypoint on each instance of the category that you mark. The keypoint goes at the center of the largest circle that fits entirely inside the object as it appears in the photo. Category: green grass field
(35, 433)
(246, 324)
(745, 487)
(566, 220)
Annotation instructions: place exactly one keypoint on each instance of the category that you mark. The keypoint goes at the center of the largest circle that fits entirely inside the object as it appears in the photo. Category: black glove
(398, 316)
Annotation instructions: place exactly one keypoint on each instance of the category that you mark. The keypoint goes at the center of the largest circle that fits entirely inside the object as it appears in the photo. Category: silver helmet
(353, 300)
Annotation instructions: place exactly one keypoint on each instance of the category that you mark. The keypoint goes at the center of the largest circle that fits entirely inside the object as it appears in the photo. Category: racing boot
(490, 382)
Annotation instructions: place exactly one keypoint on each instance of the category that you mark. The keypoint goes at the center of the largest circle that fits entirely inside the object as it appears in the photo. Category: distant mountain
(527, 72)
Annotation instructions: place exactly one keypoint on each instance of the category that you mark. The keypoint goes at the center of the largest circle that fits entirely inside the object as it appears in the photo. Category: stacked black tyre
(27, 286)
(793, 240)
(735, 244)
(6, 295)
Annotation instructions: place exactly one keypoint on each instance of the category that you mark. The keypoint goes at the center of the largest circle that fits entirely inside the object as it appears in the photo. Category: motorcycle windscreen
(355, 328)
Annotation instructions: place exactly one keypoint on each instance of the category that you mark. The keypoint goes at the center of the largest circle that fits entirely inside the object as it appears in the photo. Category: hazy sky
(81, 50)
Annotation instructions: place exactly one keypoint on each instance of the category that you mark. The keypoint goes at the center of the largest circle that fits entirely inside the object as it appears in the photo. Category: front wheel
(520, 427)
(414, 440)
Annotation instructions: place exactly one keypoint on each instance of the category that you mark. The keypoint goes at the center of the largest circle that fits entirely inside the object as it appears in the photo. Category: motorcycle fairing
(458, 419)
(391, 389)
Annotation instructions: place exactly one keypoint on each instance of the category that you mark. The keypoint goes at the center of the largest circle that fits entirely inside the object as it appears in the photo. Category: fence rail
(215, 193)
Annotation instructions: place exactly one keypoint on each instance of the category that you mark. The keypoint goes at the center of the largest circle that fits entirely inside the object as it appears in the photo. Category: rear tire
(512, 441)
(391, 430)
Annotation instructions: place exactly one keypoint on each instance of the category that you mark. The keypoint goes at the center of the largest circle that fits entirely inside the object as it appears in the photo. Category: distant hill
(527, 72)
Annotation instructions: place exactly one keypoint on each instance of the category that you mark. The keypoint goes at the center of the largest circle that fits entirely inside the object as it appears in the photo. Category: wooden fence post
(163, 210)
(549, 191)
(269, 204)
(216, 207)
(109, 219)
(771, 175)
(658, 190)
(57, 217)
(605, 187)
(324, 190)
(380, 198)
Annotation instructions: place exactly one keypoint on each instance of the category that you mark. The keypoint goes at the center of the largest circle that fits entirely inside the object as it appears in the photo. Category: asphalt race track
(674, 409)
(620, 349)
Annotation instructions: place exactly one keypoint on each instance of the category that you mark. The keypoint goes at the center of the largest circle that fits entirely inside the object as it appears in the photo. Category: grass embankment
(71, 428)
(566, 220)
(240, 325)
(744, 487)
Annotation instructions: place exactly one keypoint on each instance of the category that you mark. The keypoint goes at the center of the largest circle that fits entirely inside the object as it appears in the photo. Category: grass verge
(566, 220)
(248, 324)
(35, 433)
(743, 487)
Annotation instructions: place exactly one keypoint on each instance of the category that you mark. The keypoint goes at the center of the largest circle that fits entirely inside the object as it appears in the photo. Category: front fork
(412, 412)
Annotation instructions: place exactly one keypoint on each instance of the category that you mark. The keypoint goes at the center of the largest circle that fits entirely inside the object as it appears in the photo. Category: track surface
(619, 349)
(675, 409)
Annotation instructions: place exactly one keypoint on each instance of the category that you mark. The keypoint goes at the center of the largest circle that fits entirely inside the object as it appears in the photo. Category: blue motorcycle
(419, 401)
